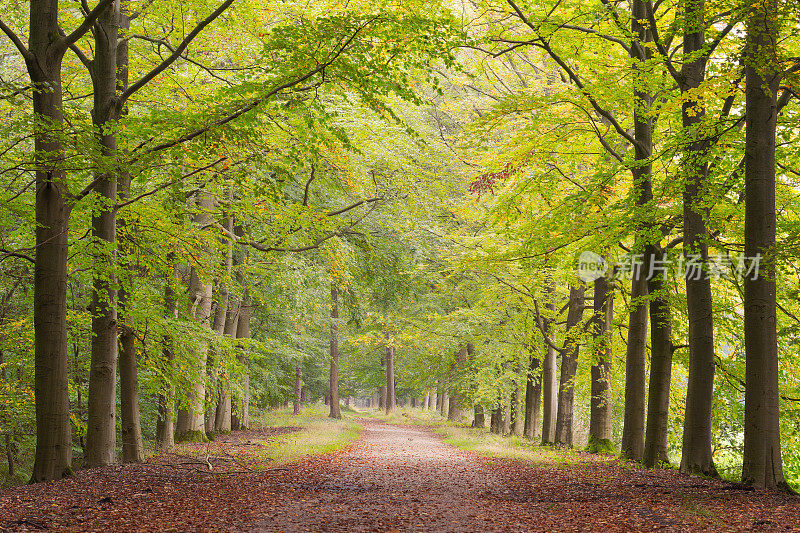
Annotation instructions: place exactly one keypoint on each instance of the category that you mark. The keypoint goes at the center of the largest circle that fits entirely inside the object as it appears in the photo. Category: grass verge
(318, 435)
(412, 417)
(275, 438)
(506, 447)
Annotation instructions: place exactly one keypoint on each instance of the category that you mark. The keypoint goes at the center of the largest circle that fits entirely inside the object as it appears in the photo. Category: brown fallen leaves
(392, 479)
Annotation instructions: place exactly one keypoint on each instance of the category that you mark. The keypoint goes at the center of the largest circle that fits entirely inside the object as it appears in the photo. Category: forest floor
(393, 478)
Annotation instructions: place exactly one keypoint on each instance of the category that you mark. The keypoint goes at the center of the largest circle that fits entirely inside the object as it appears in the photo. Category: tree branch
(255, 103)
(86, 25)
(147, 78)
(353, 206)
(8, 253)
(308, 183)
(167, 184)
(17, 41)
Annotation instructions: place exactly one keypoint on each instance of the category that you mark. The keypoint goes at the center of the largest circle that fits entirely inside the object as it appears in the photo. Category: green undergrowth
(414, 417)
(318, 434)
(312, 433)
(488, 444)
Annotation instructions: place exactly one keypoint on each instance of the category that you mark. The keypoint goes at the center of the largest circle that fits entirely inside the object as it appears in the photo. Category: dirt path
(395, 479)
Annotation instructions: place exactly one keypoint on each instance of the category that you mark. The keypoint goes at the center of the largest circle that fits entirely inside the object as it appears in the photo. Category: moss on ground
(192, 436)
(601, 446)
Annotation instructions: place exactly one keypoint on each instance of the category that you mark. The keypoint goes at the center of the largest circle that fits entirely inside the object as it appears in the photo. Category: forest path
(405, 478)
(393, 478)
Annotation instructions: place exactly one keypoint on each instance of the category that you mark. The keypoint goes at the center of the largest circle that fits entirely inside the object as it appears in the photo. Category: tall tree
(190, 424)
(533, 393)
(549, 370)
(130, 417)
(697, 457)
(101, 444)
(600, 403)
(569, 367)
(47, 44)
(391, 401)
(763, 466)
(334, 375)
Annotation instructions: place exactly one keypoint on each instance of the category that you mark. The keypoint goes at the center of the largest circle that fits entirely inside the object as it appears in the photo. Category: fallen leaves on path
(392, 479)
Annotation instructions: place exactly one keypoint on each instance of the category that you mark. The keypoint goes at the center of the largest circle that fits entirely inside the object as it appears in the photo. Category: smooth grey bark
(762, 465)
(496, 422)
(101, 425)
(216, 368)
(165, 430)
(130, 416)
(517, 418)
(390, 390)
(223, 414)
(191, 420)
(480, 418)
(298, 387)
(569, 366)
(697, 457)
(600, 404)
(657, 428)
(43, 58)
(549, 372)
(243, 332)
(334, 353)
(505, 414)
(426, 401)
(635, 373)
(533, 395)
(454, 410)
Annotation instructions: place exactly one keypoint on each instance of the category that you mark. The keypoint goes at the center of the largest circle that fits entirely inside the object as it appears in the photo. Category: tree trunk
(426, 401)
(445, 404)
(165, 433)
(643, 189)
(131, 424)
(53, 456)
(243, 332)
(600, 408)
(496, 422)
(569, 366)
(657, 430)
(298, 387)
(9, 444)
(506, 417)
(762, 441)
(533, 395)
(454, 412)
(191, 419)
(101, 426)
(517, 421)
(334, 382)
(223, 421)
(480, 419)
(390, 392)
(214, 367)
(635, 368)
(549, 369)
(697, 457)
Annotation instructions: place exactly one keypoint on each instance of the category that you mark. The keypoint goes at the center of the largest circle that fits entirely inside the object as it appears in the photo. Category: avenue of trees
(213, 208)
